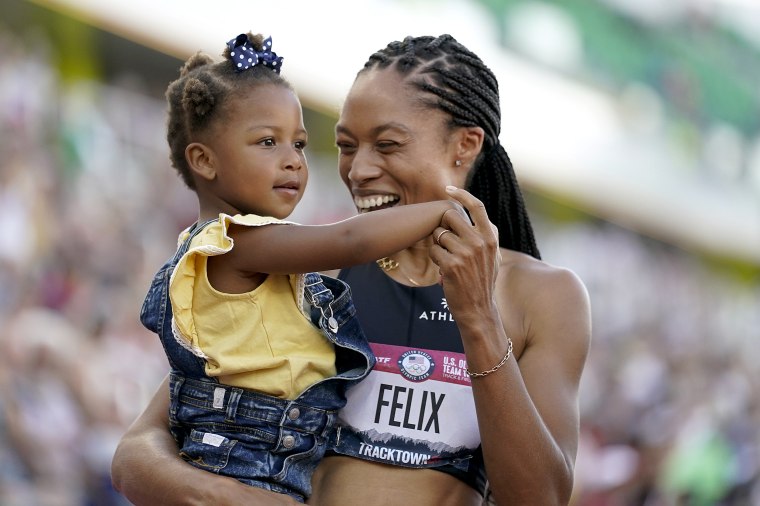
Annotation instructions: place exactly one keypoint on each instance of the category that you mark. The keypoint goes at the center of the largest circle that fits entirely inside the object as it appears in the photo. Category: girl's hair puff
(199, 98)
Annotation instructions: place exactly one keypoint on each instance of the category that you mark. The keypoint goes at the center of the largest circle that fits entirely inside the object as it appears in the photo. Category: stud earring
(458, 163)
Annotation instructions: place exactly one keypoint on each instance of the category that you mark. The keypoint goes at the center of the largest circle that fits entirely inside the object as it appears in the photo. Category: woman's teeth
(367, 203)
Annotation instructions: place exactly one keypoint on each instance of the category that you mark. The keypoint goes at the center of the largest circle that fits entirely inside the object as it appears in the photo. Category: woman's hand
(468, 257)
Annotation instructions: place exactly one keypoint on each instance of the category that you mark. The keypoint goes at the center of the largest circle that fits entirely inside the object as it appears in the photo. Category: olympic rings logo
(416, 365)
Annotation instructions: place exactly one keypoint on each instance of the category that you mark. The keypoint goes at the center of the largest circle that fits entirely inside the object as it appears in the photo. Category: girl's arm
(284, 249)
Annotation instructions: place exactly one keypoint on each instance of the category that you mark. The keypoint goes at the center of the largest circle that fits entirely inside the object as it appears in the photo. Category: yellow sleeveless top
(261, 340)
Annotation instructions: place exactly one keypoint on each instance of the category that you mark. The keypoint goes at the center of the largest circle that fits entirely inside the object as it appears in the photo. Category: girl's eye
(301, 145)
(268, 142)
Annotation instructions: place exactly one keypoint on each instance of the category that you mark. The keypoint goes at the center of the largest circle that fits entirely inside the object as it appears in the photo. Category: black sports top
(392, 313)
(415, 409)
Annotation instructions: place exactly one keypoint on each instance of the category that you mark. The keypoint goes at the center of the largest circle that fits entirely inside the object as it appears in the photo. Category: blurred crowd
(669, 405)
(89, 209)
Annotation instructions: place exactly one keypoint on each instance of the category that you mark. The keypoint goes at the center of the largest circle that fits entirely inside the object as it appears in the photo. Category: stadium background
(634, 127)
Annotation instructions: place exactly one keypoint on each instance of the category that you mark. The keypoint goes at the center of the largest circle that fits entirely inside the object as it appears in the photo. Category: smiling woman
(423, 114)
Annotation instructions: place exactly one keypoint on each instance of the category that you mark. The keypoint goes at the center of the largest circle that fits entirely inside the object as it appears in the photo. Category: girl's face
(258, 153)
(391, 150)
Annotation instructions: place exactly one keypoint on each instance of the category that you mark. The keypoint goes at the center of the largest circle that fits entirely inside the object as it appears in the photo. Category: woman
(422, 115)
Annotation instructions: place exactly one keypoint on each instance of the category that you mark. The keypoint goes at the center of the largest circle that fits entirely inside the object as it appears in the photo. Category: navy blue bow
(244, 56)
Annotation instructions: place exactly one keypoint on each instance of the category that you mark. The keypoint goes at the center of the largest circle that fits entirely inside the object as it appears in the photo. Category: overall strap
(181, 359)
(193, 230)
(320, 298)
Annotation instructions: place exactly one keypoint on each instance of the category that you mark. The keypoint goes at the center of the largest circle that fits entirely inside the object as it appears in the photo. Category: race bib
(414, 409)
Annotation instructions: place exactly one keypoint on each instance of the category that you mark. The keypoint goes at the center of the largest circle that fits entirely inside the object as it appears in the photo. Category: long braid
(466, 89)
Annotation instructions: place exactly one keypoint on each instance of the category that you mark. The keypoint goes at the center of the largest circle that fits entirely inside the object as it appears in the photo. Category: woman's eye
(386, 144)
(344, 147)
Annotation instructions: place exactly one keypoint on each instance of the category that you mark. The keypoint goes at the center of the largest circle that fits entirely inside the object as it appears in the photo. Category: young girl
(261, 355)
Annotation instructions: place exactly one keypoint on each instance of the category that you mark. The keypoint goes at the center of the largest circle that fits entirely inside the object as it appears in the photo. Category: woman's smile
(373, 202)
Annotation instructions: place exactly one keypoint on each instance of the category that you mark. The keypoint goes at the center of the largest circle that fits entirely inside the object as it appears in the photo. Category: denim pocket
(207, 450)
(297, 463)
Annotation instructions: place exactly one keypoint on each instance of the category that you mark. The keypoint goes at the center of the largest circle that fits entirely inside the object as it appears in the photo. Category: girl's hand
(468, 256)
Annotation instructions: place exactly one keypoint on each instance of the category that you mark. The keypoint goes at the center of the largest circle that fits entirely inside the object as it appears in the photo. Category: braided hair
(200, 97)
(461, 85)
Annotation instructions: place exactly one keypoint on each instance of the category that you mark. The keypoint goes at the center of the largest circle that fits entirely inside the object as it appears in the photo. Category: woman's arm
(528, 408)
(283, 249)
(147, 469)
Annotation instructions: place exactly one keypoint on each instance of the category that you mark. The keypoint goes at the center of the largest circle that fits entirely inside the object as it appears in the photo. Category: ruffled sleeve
(212, 240)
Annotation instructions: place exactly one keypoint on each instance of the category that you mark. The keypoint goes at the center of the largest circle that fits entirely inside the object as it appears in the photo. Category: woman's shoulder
(524, 265)
(550, 303)
(538, 280)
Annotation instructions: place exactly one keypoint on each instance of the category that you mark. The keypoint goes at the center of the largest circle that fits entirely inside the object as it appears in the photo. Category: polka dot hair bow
(244, 56)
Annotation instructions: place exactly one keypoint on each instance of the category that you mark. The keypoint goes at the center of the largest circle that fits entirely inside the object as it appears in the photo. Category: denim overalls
(261, 440)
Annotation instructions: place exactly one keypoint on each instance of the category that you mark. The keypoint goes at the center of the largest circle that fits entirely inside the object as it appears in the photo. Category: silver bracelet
(494, 368)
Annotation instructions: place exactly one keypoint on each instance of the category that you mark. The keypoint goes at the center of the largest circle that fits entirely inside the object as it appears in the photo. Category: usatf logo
(416, 365)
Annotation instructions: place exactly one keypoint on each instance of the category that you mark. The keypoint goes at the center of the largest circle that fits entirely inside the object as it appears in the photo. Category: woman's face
(391, 150)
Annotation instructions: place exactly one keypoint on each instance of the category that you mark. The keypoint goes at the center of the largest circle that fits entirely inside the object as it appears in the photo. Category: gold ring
(438, 237)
